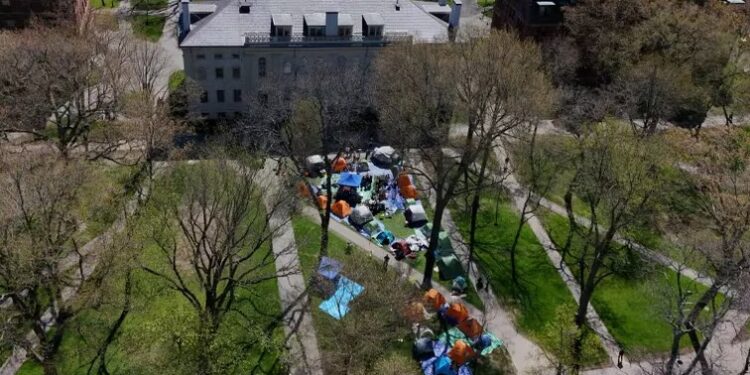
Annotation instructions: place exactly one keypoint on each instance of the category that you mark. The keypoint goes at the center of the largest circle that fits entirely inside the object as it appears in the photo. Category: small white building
(230, 46)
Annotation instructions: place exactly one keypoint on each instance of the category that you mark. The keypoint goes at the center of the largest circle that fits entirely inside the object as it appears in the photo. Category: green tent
(444, 247)
(449, 267)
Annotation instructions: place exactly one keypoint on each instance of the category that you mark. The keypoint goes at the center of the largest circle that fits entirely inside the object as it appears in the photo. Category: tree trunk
(325, 217)
(516, 238)
(434, 239)
(475, 203)
(674, 353)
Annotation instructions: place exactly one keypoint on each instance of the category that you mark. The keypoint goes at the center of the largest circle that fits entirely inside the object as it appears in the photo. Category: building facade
(231, 47)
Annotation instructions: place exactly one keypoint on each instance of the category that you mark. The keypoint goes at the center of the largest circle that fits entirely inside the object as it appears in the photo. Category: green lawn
(99, 4)
(161, 324)
(541, 291)
(633, 306)
(148, 27)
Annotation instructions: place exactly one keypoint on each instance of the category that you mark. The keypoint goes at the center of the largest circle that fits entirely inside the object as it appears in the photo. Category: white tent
(415, 214)
(360, 215)
(314, 164)
(385, 156)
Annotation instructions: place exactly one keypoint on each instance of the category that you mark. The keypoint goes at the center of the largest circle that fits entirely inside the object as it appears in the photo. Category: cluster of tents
(463, 341)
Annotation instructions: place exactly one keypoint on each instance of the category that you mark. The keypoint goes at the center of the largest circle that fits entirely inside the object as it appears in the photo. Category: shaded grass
(100, 4)
(148, 27)
(633, 307)
(540, 291)
(160, 331)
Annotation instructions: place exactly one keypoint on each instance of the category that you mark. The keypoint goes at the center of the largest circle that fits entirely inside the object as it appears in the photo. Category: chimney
(442, 3)
(455, 16)
(184, 18)
(398, 6)
(332, 23)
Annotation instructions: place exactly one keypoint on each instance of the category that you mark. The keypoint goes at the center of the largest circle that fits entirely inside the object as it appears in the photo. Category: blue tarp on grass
(329, 268)
(350, 179)
(338, 304)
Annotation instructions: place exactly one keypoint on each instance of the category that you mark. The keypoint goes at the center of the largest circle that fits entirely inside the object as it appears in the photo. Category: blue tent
(329, 268)
(350, 179)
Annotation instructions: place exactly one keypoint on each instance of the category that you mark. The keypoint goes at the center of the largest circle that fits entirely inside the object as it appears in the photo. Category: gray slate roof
(227, 27)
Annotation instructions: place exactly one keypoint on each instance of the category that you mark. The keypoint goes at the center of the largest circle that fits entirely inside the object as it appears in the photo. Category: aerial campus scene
(389, 187)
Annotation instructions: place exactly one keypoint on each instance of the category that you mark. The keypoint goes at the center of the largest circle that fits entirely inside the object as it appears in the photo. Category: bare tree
(214, 243)
(147, 63)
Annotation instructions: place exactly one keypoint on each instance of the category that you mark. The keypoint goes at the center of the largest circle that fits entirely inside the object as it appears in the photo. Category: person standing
(386, 259)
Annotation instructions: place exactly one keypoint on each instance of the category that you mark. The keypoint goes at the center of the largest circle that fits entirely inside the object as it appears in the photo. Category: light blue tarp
(337, 305)
(350, 179)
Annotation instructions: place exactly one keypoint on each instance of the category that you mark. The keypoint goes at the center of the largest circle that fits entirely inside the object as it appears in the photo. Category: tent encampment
(360, 215)
(415, 216)
(314, 164)
(339, 165)
(461, 352)
(329, 268)
(350, 179)
(434, 299)
(409, 192)
(385, 157)
(341, 209)
(471, 328)
(449, 267)
(384, 238)
(456, 313)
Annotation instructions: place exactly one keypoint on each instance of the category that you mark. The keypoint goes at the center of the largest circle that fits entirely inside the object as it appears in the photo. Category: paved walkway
(305, 356)
(90, 259)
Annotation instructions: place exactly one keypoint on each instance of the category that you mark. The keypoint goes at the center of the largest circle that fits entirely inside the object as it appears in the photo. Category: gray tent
(415, 216)
(314, 164)
(360, 215)
(385, 157)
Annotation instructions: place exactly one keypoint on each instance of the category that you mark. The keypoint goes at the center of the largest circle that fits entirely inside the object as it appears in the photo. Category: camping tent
(314, 164)
(339, 165)
(373, 227)
(341, 209)
(471, 328)
(409, 192)
(461, 352)
(322, 201)
(350, 179)
(360, 215)
(384, 238)
(403, 180)
(444, 247)
(384, 157)
(456, 313)
(449, 267)
(434, 299)
(329, 268)
(415, 216)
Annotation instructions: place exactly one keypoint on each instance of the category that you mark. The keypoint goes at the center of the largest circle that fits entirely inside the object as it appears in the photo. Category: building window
(345, 31)
(220, 96)
(219, 73)
(218, 56)
(244, 9)
(236, 72)
(315, 31)
(235, 56)
(201, 73)
(287, 67)
(237, 96)
(262, 67)
(200, 56)
(204, 97)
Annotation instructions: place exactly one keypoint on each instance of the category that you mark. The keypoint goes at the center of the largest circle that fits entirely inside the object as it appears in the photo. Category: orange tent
(461, 352)
(403, 181)
(339, 165)
(302, 190)
(409, 192)
(322, 202)
(341, 208)
(457, 312)
(471, 328)
(434, 299)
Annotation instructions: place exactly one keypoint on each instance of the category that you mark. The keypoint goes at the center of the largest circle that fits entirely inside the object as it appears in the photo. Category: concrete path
(305, 356)
(90, 259)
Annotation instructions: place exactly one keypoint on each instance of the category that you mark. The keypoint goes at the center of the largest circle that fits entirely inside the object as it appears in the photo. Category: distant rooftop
(227, 26)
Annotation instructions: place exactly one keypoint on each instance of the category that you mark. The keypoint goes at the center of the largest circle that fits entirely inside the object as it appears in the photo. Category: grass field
(541, 291)
(633, 306)
(100, 4)
(160, 329)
